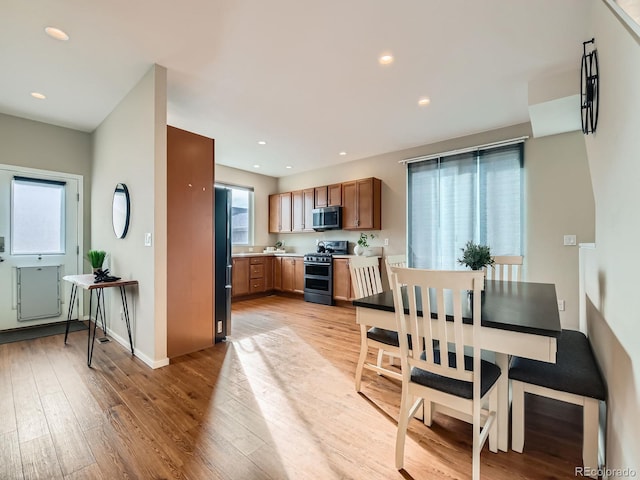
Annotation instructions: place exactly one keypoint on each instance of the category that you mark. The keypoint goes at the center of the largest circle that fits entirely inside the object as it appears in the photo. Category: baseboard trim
(137, 353)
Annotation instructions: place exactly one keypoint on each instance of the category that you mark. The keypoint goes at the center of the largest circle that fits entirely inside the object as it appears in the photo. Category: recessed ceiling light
(385, 59)
(261, 142)
(342, 153)
(256, 166)
(56, 33)
(288, 166)
(38, 95)
(424, 101)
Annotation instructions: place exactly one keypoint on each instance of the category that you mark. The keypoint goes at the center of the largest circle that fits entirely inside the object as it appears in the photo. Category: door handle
(228, 276)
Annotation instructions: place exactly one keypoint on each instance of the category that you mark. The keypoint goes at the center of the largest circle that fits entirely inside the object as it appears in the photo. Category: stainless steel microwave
(327, 218)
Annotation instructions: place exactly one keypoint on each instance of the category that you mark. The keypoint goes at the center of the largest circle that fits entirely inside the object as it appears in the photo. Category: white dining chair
(458, 381)
(399, 260)
(366, 281)
(506, 268)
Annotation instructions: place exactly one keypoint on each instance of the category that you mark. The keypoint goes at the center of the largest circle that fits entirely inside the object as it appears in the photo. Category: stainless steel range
(318, 271)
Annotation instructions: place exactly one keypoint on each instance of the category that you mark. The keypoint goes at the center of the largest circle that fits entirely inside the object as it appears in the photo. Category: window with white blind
(37, 217)
(475, 195)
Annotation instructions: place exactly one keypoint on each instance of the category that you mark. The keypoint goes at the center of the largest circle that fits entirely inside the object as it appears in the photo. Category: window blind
(475, 195)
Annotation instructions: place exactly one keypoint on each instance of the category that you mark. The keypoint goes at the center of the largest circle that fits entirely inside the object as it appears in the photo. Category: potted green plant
(96, 258)
(475, 256)
(363, 243)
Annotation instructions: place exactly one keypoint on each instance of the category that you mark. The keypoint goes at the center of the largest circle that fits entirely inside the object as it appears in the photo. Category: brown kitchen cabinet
(341, 279)
(298, 271)
(335, 195)
(256, 275)
(302, 203)
(269, 263)
(328, 196)
(292, 274)
(240, 276)
(342, 288)
(277, 274)
(321, 198)
(361, 204)
(280, 212)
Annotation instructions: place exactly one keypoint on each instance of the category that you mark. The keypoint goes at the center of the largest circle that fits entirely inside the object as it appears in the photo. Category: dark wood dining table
(517, 318)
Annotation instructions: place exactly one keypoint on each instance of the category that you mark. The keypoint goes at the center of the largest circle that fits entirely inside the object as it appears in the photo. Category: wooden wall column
(190, 262)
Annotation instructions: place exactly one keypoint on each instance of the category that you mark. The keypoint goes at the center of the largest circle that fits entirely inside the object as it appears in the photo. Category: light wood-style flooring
(277, 401)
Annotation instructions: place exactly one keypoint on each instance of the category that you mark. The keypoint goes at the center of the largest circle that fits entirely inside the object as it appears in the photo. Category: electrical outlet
(219, 326)
(561, 305)
(569, 240)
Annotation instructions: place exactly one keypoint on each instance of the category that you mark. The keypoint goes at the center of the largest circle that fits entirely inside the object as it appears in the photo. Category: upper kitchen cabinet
(302, 208)
(280, 212)
(361, 205)
(328, 196)
(335, 195)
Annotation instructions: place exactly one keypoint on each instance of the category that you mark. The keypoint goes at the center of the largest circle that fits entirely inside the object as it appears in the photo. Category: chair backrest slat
(394, 261)
(506, 268)
(447, 291)
(365, 276)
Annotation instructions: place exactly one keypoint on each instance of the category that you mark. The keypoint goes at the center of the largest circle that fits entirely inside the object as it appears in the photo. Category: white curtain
(470, 196)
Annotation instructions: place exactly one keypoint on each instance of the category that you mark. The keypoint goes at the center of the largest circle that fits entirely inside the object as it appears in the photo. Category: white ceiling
(300, 74)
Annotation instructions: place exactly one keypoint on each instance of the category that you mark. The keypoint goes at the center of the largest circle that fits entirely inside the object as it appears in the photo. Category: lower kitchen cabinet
(257, 275)
(269, 273)
(240, 276)
(342, 279)
(298, 271)
(262, 274)
(292, 274)
(277, 274)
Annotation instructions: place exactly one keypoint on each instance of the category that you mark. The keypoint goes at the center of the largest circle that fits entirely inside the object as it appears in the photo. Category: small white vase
(358, 250)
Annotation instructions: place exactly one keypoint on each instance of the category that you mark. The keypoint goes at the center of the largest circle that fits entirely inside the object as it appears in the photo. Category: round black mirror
(121, 210)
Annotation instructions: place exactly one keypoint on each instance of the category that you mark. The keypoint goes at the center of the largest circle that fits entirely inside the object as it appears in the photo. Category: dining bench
(574, 378)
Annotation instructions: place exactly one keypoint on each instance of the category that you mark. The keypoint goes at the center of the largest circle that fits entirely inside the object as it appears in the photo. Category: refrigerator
(222, 263)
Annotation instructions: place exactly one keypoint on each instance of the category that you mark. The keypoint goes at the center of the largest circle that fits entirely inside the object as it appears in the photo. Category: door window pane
(37, 217)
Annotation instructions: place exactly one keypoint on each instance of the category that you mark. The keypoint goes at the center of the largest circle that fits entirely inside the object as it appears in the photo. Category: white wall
(130, 147)
(558, 199)
(27, 143)
(612, 282)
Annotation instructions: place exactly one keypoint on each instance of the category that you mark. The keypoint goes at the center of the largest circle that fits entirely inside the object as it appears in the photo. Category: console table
(86, 282)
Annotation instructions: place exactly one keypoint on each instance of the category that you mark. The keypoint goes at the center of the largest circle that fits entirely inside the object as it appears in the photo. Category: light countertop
(285, 254)
(267, 254)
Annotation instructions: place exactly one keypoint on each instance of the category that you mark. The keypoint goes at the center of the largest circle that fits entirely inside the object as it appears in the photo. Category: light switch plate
(147, 239)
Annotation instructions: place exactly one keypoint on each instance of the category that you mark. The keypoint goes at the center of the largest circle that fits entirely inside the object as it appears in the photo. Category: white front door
(39, 235)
